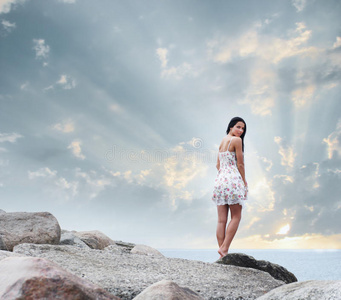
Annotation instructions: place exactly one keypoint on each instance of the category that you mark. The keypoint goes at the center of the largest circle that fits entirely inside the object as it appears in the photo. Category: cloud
(42, 173)
(59, 187)
(8, 26)
(302, 96)
(179, 72)
(261, 93)
(68, 1)
(42, 50)
(92, 183)
(286, 151)
(299, 4)
(65, 127)
(337, 44)
(9, 137)
(269, 48)
(115, 107)
(333, 141)
(162, 54)
(6, 5)
(66, 82)
(75, 147)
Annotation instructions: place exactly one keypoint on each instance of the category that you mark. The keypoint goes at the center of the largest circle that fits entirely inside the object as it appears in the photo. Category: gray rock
(306, 290)
(95, 239)
(243, 260)
(23, 227)
(116, 249)
(129, 246)
(146, 250)
(126, 275)
(2, 211)
(2, 244)
(38, 278)
(69, 238)
(167, 290)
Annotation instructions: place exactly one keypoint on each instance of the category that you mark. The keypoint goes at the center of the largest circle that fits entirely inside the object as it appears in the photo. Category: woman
(230, 187)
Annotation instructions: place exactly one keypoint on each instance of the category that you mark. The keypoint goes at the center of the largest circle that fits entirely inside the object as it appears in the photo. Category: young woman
(230, 187)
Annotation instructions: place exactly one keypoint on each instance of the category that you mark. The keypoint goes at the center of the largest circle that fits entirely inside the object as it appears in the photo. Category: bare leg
(236, 214)
(223, 211)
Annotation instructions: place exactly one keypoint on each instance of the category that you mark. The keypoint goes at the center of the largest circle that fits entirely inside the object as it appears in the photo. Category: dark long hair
(233, 122)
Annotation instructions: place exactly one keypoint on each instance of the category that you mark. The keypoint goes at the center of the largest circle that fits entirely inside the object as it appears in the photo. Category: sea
(304, 264)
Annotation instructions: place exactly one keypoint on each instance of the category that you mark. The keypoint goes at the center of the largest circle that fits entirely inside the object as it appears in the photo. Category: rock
(126, 275)
(69, 238)
(306, 290)
(2, 244)
(243, 260)
(129, 246)
(38, 278)
(116, 249)
(5, 254)
(95, 239)
(24, 227)
(2, 211)
(167, 290)
(146, 250)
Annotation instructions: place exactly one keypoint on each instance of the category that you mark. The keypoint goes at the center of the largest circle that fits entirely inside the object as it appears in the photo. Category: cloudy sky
(112, 112)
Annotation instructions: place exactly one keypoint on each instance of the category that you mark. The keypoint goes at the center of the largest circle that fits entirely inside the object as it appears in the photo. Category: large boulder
(38, 278)
(126, 275)
(94, 239)
(306, 290)
(146, 250)
(246, 261)
(4, 254)
(25, 227)
(167, 290)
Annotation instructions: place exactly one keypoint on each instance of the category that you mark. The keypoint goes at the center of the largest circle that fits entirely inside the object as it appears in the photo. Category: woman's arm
(240, 157)
(218, 163)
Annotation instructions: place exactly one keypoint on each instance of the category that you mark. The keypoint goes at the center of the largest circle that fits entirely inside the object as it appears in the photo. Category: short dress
(229, 187)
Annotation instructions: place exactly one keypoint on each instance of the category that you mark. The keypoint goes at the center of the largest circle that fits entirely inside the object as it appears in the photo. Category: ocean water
(304, 264)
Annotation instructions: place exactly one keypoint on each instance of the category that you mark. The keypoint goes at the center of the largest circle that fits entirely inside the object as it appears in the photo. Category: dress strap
(229, 144)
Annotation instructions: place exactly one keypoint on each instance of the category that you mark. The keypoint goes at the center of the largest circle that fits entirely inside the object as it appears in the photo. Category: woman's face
(238, 129)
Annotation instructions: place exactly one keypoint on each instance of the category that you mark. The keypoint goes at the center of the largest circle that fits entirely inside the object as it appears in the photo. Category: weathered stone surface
(23, 227)
(37, 278)
(126, 275)
(167, 290)
(5, 254)
(95, 239)
(69, 238)
(306, 290)
(243, 260)
(145, 250)
(2, 211)
(129, 246)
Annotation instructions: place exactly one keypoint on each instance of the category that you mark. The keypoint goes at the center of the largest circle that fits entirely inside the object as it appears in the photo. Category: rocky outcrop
(146, 250)
(167, 290)
(37, 278)
(306, 290)
(126, 275)
(23, 227)
(246, 261)
(94, 239)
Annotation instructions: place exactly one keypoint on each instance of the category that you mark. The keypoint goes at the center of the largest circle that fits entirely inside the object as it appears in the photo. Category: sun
(284, 230)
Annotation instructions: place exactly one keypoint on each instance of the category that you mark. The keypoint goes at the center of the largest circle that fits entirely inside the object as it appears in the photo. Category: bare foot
(222, 254)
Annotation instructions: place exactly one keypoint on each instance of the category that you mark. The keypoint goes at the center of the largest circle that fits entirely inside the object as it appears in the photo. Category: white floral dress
(229, 187)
